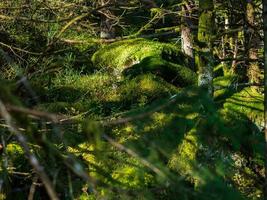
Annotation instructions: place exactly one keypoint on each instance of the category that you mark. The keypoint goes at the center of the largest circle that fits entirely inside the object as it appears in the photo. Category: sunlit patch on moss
(124, 54)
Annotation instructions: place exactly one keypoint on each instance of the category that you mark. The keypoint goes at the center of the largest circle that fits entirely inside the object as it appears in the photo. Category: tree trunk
(235, 53)
(187, 33)
(204, 59)
(107, 30)
(253, 43)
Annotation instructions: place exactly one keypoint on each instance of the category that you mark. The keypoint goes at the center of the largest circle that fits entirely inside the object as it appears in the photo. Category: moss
(176, 74)
(97, 93)
(224, 81)
(15, 154)
(132, 177)
(146, 85)
(245, 179)
(123, 54)
(182, 161)
(249, 103)
(224, 87)
(206, 26)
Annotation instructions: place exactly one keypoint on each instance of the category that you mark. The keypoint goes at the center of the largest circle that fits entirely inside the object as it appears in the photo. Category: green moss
(16, 155)
(123, 54)
(172, 73)
(249, 103)
(182, 161)
(132, 177)
(145, 86)
(224, 81)
(223, 86)
(100, 92)
(206, 26)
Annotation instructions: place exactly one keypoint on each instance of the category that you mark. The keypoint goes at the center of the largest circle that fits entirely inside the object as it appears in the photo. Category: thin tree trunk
(235, 53)
(107, 30)
(187, 34)
(224, 40)
(253, 71)
(205, 33)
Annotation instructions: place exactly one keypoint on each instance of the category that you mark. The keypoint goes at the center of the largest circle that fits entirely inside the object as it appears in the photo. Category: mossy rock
(123, 54)
(173, 73)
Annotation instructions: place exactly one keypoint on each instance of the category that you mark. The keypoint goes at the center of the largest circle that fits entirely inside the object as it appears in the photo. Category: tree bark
(187, 33)
(252, 42)
(107, 30)
(205, 33)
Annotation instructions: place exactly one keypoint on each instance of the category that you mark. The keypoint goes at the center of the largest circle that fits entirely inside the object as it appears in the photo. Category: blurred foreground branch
(32, 158)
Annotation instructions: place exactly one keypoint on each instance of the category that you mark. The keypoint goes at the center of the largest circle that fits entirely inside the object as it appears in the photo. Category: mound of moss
(101, 93)
(126, 53)
(173, 73)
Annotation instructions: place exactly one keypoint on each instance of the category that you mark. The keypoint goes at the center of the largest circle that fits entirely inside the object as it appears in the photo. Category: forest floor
(136, 123)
